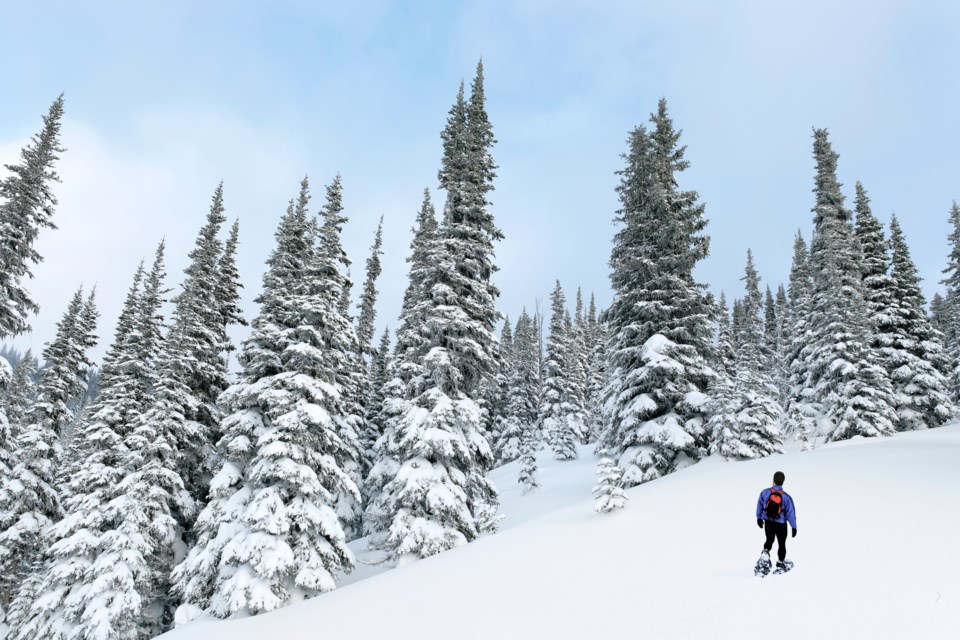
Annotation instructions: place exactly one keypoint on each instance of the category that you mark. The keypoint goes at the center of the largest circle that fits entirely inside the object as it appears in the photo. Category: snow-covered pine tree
(21, 392)
(756, 432)
(154, 506)
(27, 205)
(660, 319)
(470, 230)
(951, 330)
(438, 497)
(521, 395)
(912, 351)
(368, 297)
(590, 320)
(736, 323)
(801, 409)
(539, 337)
(228, 289)
(785, 336)
(342, 355)
(372, 401)
(595, 370)
(381, 371)
(423, 233)
(497, 390)
(874, 266)
(609, 492)
(434, 493)
(201, 576)
(86, 585)
(270, 533)
(552, 420)
(408, 349)
(851, 386)
(771, 337)
(576, 398)
(724, 347)
(86, 340)
(192, 367)
(410, 338)
(722, 426)
(528, 461)
(29, 499)
(939, 313)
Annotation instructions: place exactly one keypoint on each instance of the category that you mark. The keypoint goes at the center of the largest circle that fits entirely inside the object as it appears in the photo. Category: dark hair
(778, 478)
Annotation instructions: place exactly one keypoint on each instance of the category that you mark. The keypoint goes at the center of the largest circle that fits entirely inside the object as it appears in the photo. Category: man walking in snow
(775, 509)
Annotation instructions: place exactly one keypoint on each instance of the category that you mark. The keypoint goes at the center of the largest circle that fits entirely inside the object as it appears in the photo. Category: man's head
(778, 478)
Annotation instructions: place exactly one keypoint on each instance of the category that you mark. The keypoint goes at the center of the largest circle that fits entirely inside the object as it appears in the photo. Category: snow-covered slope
(876, 557)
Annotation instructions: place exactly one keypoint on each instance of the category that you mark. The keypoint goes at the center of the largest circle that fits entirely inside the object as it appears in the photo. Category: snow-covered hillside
(876, 557)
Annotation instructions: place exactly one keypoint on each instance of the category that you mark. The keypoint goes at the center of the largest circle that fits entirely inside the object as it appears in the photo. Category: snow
(874, 557)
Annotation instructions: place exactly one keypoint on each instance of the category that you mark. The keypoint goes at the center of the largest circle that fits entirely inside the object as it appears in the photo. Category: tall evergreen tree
(469, 230)
(368, 298)
(497, 389)
(434, 494)
(802, 408)
(939, 313)
(228, 289)
(423, 234)
(193, 368)
(725, 402)
(408, 348)
(756, 433)
(270, 532)
(342, 355)
(951, 280)
(771, 336)
(381, 370)
(89, 583)
(912, 353)
(21, 391)
(375, 371)
(785, 337)
(27, 205)
(724, 348)
(874, 266)
(660, 319)
(597, 375)
(521, 393)
(852, 388)
(736, 323)
(29, 500)
(553, 422)
(576, 398)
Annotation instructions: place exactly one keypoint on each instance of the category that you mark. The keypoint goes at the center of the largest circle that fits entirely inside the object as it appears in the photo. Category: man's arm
(792, 513)
(760, 505)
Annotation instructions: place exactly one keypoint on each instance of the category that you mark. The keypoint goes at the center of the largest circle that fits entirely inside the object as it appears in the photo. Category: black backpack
(774, 506)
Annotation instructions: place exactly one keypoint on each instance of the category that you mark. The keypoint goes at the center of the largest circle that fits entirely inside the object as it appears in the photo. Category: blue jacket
(788, 512)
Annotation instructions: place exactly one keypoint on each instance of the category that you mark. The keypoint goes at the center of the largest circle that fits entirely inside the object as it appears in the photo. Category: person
(776, 526)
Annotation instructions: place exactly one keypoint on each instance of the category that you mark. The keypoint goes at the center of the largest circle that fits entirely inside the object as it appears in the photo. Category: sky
(165, 100)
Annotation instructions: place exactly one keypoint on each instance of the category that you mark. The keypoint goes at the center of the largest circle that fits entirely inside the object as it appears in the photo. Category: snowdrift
(876, 557)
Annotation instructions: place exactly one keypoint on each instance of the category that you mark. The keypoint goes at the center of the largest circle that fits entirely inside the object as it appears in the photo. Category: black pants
(778, 529)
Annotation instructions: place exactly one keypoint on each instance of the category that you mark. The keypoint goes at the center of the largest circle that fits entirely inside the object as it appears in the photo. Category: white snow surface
(876, 557)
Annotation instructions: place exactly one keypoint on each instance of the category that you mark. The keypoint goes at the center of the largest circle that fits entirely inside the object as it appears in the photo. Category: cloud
(116, 202)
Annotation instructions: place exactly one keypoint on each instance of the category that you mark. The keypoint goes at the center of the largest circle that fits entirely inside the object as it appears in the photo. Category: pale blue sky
(165, 99)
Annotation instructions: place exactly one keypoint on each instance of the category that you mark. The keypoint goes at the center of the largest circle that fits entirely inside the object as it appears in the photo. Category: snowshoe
(763, 565)
(783, 567)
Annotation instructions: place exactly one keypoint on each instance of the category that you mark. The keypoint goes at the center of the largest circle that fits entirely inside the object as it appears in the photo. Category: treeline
(178, 490)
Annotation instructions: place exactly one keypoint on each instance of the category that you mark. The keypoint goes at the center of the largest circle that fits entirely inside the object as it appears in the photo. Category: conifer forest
(187, 474)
